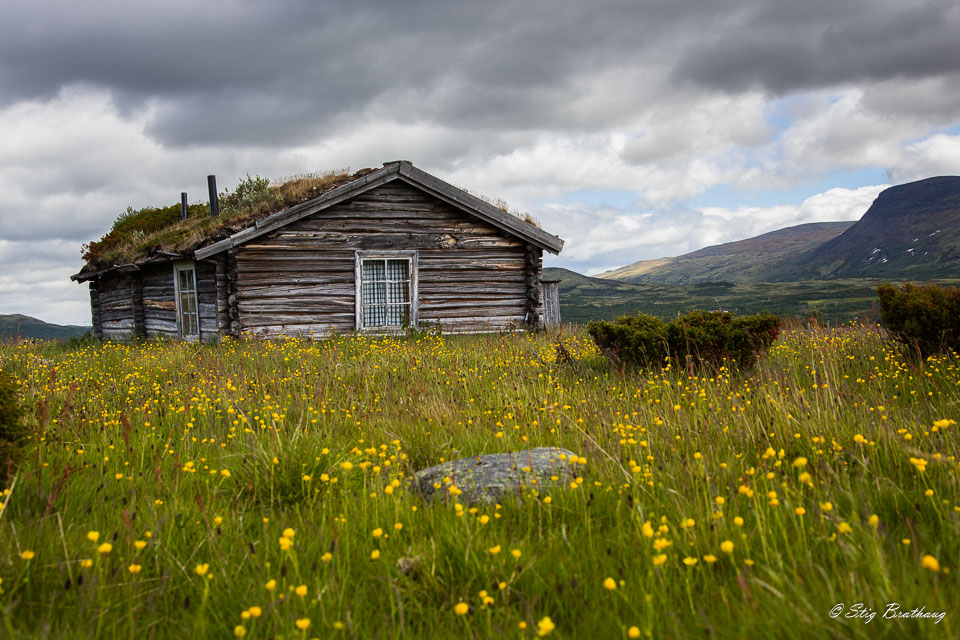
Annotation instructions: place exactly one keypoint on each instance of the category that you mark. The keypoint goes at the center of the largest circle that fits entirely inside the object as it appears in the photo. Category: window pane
(186, 280)
(385, 292)
(373, 270)
(397, 315)
(374, 297)
(398, 292)
(397, 269)
(374, 292)
(188, 317)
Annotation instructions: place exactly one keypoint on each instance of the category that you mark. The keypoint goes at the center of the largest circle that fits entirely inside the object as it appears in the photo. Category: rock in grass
(486, 478)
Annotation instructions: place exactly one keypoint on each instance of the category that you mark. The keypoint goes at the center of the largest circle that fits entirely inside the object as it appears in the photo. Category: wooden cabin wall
(116, 306)
(206, 271)
(95, 309)
(300, 278)
(551, 305)
(159, 305)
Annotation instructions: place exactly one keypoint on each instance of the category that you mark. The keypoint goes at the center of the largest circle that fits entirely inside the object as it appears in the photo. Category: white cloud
(603, 235)
(936, 155)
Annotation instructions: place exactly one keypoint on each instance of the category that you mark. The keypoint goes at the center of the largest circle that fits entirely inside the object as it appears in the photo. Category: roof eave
(481, 208)
(93, 275)
(159, 256)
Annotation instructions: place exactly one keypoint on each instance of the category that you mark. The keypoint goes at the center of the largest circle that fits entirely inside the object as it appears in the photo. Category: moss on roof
(139, 233)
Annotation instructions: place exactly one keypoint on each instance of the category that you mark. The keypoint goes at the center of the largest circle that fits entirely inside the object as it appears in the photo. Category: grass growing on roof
(258, 489)
(137, 232)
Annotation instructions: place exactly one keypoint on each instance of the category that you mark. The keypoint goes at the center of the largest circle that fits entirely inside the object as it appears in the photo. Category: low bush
(709, 338)
(13, 432)
(925, 318)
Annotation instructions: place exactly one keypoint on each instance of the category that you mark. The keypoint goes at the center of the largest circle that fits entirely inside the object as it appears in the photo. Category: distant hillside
(12, 326)
(583, 298)
(758, 259)
(911, 231)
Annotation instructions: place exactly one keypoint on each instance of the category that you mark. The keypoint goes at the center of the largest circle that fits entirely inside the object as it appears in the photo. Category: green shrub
(925, 318)
(709, 338)
(13, 431)
(249, 194)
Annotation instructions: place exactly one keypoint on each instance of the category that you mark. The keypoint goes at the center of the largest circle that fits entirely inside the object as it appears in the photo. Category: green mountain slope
(17, 325)
(911, 231)
(761, 258)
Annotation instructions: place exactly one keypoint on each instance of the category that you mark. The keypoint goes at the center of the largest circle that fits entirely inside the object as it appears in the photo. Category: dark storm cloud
(270, 73)
(252, 73)
(782, 47)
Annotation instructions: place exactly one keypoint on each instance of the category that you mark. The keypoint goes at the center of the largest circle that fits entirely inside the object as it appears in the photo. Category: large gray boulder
(487, 478)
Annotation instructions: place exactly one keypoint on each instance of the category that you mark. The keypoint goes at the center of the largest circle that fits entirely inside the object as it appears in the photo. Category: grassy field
(259, 490)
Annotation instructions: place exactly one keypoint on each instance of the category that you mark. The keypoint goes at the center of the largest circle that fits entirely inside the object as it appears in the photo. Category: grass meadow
(259, 490)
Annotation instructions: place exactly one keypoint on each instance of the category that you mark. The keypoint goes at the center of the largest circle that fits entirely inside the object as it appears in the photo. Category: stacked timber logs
(223, 308)
(95, 308)
(139, 321)
(116, 307)
(233, 309)
(531, 278)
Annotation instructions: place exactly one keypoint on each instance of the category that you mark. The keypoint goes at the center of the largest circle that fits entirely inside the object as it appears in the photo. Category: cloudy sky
(633, 129)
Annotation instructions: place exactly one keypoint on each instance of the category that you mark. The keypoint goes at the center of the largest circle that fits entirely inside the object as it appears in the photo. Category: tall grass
(719, 504)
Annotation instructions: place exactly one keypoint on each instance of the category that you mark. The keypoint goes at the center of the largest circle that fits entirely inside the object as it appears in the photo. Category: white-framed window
(185, 292)
(386, 290)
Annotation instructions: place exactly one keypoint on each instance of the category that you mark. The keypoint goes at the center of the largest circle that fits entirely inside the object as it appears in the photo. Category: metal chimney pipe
(183, 205)
(214, 203)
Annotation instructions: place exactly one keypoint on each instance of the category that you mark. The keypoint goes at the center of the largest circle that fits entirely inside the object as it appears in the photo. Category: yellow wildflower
(545, 626)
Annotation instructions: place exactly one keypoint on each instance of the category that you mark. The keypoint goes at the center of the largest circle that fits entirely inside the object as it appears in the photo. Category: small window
(386, 290)
(185, 288)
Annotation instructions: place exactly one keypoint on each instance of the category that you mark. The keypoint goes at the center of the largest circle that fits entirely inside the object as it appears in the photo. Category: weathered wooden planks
(115, 306)
(206, 272)
(300, 278)
(159, 306)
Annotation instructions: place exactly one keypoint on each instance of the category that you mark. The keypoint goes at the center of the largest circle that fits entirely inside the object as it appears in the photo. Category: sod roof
(257, 207)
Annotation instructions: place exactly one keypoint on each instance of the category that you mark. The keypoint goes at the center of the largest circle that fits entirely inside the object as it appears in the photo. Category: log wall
(95, 309)
(300, 279)
(116, 308)
(206, 271)
(160, 306)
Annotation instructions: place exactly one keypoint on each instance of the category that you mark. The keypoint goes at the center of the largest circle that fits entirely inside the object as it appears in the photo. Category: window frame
(413, 273)
(178, 268)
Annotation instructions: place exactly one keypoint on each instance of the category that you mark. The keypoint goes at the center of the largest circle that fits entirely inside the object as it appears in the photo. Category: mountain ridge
(768, 252)
(17, 325)
(910, 231)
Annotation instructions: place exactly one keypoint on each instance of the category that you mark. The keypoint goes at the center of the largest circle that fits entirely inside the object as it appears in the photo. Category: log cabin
(391, 249)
